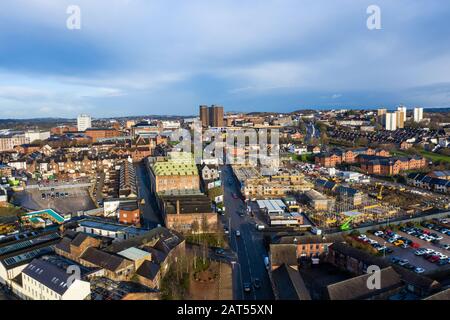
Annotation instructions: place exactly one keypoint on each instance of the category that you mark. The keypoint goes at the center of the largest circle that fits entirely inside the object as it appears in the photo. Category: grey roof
(289, 284)
(356, 288)
(48, 274)
(103, 259)
(148, 269)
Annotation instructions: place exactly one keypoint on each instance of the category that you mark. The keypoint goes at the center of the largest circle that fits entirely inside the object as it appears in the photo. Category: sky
(166, 57)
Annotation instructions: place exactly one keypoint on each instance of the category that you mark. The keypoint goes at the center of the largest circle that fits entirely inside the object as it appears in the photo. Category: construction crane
(380, 194)
(346, 225)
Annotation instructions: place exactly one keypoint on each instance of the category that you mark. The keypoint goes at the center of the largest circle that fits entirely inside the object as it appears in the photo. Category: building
(418, 114)
(178, 171)
(211, 116)
(401, 117)
(97, 134)
(381, 112)
(9, 140)
(16, 251)
(317, 200)
(390, 121)
(305, 247)
(3, 197)
(276, 213)
(204, 116)
(84, 122)
(43, 280)
(105, 228)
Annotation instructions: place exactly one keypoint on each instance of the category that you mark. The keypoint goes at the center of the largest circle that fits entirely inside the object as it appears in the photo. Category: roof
(442, 295)
(48, 274)
(148, 269)
(283, 254)
(356, 288)
(272, 205)
(103, 259)
(289, 284)
(134, 254)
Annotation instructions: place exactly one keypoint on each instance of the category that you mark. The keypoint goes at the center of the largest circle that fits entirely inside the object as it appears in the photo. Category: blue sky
(135, 57)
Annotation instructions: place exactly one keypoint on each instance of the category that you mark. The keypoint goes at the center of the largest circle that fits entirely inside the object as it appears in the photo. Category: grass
(427, 154)
(303, 158)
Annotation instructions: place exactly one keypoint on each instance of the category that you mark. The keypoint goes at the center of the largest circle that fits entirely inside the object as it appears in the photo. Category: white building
(418, 114)
(33, 135)
(42, 280)
(390, 121)
(84, 122)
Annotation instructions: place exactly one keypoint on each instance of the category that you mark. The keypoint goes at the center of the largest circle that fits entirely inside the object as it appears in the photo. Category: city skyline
(136, 57)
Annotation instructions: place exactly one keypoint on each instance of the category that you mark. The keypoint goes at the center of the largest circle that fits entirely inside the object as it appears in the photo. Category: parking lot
(409, 250)
(62, 200)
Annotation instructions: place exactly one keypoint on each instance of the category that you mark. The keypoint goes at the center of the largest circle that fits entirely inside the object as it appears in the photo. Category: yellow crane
(380, 194)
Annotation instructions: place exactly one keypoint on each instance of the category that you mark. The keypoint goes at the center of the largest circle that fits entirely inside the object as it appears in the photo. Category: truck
(316, 231)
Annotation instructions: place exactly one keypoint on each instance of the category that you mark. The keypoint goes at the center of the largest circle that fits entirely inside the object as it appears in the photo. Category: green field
(429, 155)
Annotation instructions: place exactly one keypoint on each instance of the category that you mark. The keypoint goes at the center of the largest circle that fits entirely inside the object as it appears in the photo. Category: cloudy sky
(135, 57)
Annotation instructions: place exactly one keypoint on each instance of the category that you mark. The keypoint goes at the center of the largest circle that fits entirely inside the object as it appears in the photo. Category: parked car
(257, 283)
(419, 270)
(378, 233)
(247, 287)
(403, 262)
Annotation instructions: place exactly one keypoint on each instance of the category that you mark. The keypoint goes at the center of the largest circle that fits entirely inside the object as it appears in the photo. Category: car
(220, 251)
(362, 237)
(443, 262)
(257, 283)
(446, 246)
(415, 245)
(226, 230)
(381, 248)
(378, 233)
(398, 243)
(422, 236)
(404, 246)
(434, 258)
(395, 259)
(419, 252)
(238, 233)
(403, 262)
(247, 287)
(409, 266)
(391, 240)
(419, 270)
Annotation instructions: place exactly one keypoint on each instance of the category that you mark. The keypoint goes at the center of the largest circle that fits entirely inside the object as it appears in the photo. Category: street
(249, 246)
(150, 213)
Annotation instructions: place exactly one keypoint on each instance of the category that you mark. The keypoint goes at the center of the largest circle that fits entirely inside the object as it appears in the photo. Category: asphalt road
(248, 246)
(151, 215)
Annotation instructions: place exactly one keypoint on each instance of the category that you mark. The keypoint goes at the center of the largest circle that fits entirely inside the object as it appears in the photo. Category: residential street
(248, 246)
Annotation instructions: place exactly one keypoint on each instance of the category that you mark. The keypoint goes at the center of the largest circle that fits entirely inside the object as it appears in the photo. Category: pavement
(248, 247)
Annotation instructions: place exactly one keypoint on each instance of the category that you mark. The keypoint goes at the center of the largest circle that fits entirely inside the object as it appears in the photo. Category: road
(311, 132)
(150, 214)
(248, 246)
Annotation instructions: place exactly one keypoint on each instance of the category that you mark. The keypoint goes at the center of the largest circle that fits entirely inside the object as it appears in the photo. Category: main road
(249, 246)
